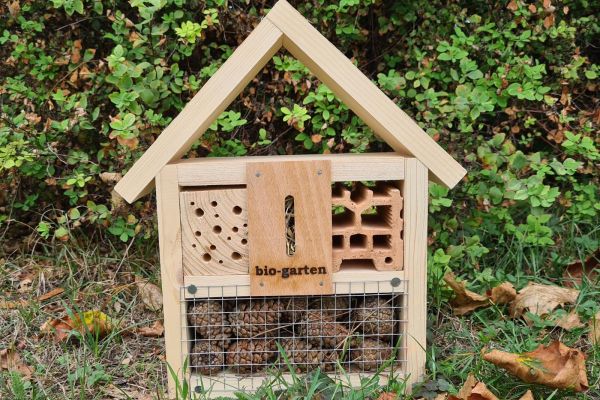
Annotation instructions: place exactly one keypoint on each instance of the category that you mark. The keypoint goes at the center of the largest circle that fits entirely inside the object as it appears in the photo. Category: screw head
(257, 174)
(262, 284)
(319, 172)
(395, 282)
(192, 289)
(321, 283)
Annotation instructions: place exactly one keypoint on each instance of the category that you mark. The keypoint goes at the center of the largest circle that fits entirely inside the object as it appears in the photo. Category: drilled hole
(220, 261)
(198, 233)
(235, 229)
(213, 203)
(228, 237)
(389, 260)
(217, 229)
(199, 212)
(193, 245)
(192, 203)
(245, 225)
(216, 215)
(236, 256)
(206, 257)
(213, 247)
(237, 210)
(244, 241)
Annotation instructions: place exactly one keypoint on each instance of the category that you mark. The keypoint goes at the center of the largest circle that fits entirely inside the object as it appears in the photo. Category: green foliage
(88, 85)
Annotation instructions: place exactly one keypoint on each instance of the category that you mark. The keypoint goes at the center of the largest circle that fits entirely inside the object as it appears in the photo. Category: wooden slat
(171, 270)
(360, 94)
(203, 109)
(309, 184)
(344, 167)
(415, 260)
(351, 280)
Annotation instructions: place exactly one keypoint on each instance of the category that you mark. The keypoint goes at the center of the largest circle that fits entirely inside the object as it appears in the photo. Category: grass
(100, 276)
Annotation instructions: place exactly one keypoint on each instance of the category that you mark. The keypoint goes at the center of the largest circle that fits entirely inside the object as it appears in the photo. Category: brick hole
(358, 241)
(343, 219)
(382, 242)
(389, 260)
(360, 194)
(217, 229)
(338, 242)
(380, 218)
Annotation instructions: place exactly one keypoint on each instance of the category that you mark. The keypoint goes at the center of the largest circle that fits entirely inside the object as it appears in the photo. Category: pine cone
(323, 331)
(370, 355)
(208, 319)
(250, 356)
(294, 308)
(257, 318)
(207, 358)
(300, 354)
(375, 316)
(336, 306)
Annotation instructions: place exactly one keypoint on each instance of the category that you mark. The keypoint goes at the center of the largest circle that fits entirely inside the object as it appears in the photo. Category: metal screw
(395, 282)
(262, 284)
(321, 283)
(258, 174)
(192, 289)
(319, 172)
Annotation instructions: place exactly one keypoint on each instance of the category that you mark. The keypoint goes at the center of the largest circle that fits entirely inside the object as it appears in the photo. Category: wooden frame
(416, 159)
(285, 27)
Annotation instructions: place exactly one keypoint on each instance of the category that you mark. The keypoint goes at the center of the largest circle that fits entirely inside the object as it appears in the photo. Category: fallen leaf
(464, 300)
(10, 360)
(555, 365)
(576, 271)
(527, 396)
(53, 293)
(14, 8)
(549, 21)
(595, 330)
(11, 305)
(504, 293)
(568, 321)
(94, 322)
(150, 294)
(542, 299)
(512, 5)
(388, 396)
(532, 8)
(155, 330)
(473, 390)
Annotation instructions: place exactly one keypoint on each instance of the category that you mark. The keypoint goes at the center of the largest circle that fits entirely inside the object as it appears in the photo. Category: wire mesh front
(244, 336)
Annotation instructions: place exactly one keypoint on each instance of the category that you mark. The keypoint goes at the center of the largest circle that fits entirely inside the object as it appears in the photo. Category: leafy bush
(508, 89)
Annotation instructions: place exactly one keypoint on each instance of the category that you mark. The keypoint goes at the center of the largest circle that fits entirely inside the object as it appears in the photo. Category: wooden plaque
(273, 270)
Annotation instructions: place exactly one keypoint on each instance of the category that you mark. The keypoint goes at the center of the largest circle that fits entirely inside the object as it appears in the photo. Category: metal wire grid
(235, 340)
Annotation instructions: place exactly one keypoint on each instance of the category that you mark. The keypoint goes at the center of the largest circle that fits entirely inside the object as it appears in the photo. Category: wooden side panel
(214, 97)
(308, 269)
(344, 167)
(214, 223)
(416, 191)
(360, 94)
(169, 234)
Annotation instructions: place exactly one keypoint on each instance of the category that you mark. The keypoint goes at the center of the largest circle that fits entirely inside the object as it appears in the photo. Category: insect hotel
(292, 262)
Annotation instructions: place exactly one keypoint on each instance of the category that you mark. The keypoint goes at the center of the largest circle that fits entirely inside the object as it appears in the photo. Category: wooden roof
(285, 27)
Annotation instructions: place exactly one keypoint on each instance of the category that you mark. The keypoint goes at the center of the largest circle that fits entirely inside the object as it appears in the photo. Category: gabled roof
(285, 27)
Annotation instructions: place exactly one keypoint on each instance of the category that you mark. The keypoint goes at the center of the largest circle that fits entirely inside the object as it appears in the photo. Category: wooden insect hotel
(318, 257)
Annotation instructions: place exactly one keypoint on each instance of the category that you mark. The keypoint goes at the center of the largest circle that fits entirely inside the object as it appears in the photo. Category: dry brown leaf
(10, 360)
(14, 8)
(53, 293)
(157, 329)
(576, 271)
(94, 322)
(388, 396)
(464, 300)
(555, 365)
(512, 5)
(549, 21)
(542, 299)
(110, 177)
(595, 330)
(11, 305)
(473, 390)
(504, 293)
(150, 294)
(527, 396)
(568, 321)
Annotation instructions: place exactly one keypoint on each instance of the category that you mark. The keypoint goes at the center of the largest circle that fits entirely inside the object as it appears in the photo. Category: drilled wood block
(214, 226)
(369, 230)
